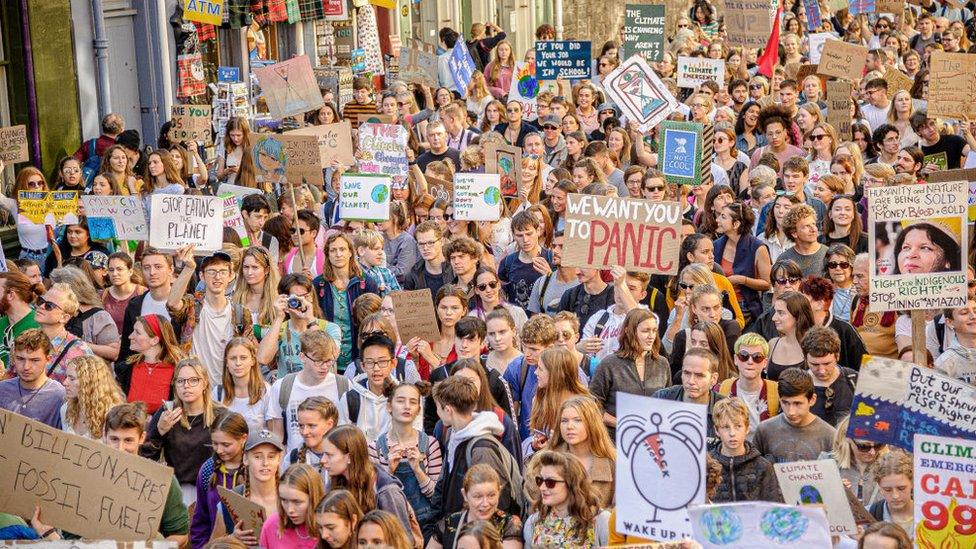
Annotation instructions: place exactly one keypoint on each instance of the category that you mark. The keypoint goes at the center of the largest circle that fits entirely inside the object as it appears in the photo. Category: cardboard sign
(304, 162)
(204, 11)
(658, 491)
(894, 7)
(524, 89)
(334, 142)
(964, 174)
(364, 197)
(839, 106)
(817, 41)
(477, 196)
(383, 150)
(374, 118)
(289, 87)
(242, 509)
(125, 214)
(182, 220)
(842, 60)
(945, 501)
(695, 71)
(566, 59)
(680, 144)
(817, 483)
(418, 63)
(897, 81)
(506, 161)
(440, 189)
(234, 219)
(82, 485)
(13, 144)
(644, 31)
(759, 525)
(413, 311)
(49, 207)
(894, 400)
(461, 66)
(603, 231)
(748, 23)
(917, 218)
(639, 93)
(191, 123)
(954, 76)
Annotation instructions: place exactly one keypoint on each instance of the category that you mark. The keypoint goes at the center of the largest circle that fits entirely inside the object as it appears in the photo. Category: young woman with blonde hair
(581, 433)
(90, 392)
(257, 285)
(242, 388)
(381, 529)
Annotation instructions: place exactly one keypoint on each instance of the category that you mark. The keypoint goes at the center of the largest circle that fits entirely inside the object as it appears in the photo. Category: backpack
(240, 317)
(90, 168)
(288, 383)
(513, 475)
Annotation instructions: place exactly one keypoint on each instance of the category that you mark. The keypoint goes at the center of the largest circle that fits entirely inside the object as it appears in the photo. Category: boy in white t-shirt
(601, 334)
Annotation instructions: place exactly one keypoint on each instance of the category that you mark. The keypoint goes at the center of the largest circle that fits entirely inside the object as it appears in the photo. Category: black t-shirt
(585, 305)
(952, 146)
(434, 281)
(450, 154)
(840, 400)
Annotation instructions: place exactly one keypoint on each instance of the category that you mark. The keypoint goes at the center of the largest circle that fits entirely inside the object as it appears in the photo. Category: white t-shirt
(152, 307)
(611, 330)
(254, 414)
(753, 404)
(210, 336)
(328, 388)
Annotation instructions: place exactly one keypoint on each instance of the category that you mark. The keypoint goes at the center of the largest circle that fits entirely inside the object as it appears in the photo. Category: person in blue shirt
(520, 269)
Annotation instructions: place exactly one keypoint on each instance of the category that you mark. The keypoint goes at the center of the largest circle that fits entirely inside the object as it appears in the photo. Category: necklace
(34, 393)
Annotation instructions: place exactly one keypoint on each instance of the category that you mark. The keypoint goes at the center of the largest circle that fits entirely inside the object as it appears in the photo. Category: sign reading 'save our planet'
(364, 197)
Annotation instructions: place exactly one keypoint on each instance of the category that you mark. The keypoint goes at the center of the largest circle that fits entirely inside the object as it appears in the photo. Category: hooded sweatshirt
(748, 477)
(373, 418)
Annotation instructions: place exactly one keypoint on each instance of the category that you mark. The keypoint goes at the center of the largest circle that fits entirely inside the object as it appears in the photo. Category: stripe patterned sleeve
(432, 464)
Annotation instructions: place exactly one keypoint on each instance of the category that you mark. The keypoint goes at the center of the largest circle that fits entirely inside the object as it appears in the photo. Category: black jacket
(746, 478)
(414, 279)
(447, 498)
(677, 393)
(497, 386)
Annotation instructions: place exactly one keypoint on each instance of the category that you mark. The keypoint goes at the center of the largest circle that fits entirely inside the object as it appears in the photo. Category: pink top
(291, 538)
(499, 87)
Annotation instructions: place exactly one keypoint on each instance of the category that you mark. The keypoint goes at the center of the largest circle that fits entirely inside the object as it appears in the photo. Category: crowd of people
(276, 369)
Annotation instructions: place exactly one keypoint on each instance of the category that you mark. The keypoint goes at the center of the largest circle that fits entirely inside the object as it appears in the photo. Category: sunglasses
(790, 279)
(654, 188)
(746, 356)
(549, 482)
(47, 305)
(755, 86)
(553, 128)
(869, 446)
(298, 230)
(819, 136)
(838, 265)
(493, 285)
(686, 286)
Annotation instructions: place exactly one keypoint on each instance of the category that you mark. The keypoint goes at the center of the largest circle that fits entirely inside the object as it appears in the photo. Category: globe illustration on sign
(528, 86)
(492, 195)
(783, 524)
(380, 193)
(505, 164)
(810, 494)
(721, 526)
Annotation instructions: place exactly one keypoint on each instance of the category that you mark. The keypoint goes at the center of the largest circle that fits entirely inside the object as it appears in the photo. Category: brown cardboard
(191, 123)
(953, 79)
(440, 188)
(243, 509)
(334, 141)
(304, 162)
(748, 23)
(415, 316)
(13, 144)
(897, 81)
(842, 60)
(506, 161)
(839, 107)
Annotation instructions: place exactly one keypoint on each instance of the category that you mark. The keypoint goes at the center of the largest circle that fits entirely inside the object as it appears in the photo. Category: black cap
(129, 139)
(217, 256)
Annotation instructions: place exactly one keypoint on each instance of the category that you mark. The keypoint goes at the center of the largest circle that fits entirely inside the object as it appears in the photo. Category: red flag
(770, 55)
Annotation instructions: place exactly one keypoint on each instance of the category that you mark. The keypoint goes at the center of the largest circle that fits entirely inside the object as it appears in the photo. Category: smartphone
(168, 405)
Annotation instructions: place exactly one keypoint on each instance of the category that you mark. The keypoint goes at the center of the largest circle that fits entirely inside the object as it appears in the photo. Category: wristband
(48, 532)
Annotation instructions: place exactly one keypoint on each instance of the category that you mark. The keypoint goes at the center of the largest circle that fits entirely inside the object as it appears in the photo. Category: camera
(295, 303)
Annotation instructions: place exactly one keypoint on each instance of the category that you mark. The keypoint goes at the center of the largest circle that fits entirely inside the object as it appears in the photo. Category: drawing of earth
(783, 524)
(380, 193)
(528, 86)
(810, 494)
(505, 164)
(492, 196)
(721, 526)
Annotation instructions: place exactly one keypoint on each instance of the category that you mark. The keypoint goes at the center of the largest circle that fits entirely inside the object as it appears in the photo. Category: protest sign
(506, 161)
(13, 144)
(49, 207)
(644, 31)
(126, 216)
(364, 197)
(242, 509)
(940, 160)
(289, 87)
(191, 123)
(812, 10)
(383, 150)
(374, 118)
(524, 89)
(418, 63)
(234, 219)
(897, 81)
(964, 174)
(228, 74)
(304, 162)
(639, 93)
(603, 231)
(335, 10)
(945, 491)
(842, 59)
(681, 147)
(461, 66)
(92, 544)
(477, 196)
(817, 41)
(894, 400)
(839, 105)
(440, 189)
(955, 75)
(413, 311)
(917, 246)
(334, 142)
(81, 485)
(695, 71)
(238, 191)
(183, 220)
(204, 11)
(759, 525)
(859, 7)
(894, 7)
(565, 59)
(817, 483)
(660, 466)
(748, 22)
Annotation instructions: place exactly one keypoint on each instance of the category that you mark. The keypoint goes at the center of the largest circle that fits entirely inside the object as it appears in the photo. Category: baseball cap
(257, 437)
(608, 107)
(550, 120)
(218, 255)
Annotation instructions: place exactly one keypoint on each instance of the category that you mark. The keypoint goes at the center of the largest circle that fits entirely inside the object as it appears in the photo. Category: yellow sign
(35, 205)
(204, 11)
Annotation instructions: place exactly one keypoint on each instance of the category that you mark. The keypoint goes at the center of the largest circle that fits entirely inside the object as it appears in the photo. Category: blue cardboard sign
(228, 74)
(101, 228)
(566, 59)
(461, 65)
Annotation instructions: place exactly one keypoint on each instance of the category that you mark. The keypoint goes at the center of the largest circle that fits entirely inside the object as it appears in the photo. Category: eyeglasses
(785, 193)
(187, 381)
(604, 64)
(429, 243)
(47, 305)
(549, 482)
(71, 170)
(838, 265)
(869, 446)
(564, 335)
(684, 26)
(493, 285)
(298, 230)
(327, 362)
(216, 272)
(789, 279)
(746, 356)
(376, 364)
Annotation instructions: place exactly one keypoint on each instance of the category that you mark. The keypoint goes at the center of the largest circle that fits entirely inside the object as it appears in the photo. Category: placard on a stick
(842, 59)
(242, 509)
(191, 123)
(13, 144)
(953, 77)
(604, 231)
(639, 93)
(748, 22)
(304, 163)
(289, 87)
(414, 312)
(839, 106)
(681, 146)
(506, 161)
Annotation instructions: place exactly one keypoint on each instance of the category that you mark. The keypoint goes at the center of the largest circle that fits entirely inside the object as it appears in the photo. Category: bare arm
(175, 301)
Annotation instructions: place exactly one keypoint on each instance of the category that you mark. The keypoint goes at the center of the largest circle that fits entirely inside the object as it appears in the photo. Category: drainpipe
(101, 59)
(35, 131)
(558, 10)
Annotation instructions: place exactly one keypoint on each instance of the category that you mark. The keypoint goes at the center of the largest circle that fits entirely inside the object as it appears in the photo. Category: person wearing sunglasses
(838, 268)
(32, 236)
(488, 296)
(311, 259)
(832, 383)
(760, 395)
(857, 461)
(877, 330)
(553, 141)
(564, 485)
(54, 309)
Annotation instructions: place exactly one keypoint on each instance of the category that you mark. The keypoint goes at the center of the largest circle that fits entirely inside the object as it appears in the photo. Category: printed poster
(945, 491)
(759, 525)
(566, 59)
(640, 94)
(681, 149)
(524, 89)
(818, 483)
(477, 196)
(364, 197)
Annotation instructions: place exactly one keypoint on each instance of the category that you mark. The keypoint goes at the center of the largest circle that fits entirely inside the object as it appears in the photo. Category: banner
(191, 123)
(918, 246)
(748, 23)
(461, 66)
(304, 163)
(603, 231)
(524, 89)
(955, 77)
(124, 214)
(759, 525)
(82, 485)
(234, 219)
(644, 31)
(894, 400)
(364, 197)
(204, 11)
(695, 71)
(477, 196)
(49, 207)
(13, 144)
(506, 161)
(818, 483)
(945, 491)
(383, 150)
(842, 59)
(413, 311)
(681, 149)
(566, 59)
(660, 466)
(640, 94)
(289, 87)
(334, 142)
(182, 220)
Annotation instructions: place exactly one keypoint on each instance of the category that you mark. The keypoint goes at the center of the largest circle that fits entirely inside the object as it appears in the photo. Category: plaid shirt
(205, 31)
(384, 279)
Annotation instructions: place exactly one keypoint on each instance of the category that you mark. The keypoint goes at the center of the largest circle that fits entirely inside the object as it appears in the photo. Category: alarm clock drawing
(662, 450)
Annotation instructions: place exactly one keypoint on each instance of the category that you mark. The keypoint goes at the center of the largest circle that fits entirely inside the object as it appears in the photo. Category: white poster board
(945, 491)
(818, 483)
(639, 93)
(477, 196)
(126, 212)
(364, 197)
(695, 71)
(759, 525)
(183, 220)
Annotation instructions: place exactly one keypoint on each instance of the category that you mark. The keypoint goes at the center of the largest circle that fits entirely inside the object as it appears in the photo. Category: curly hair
(97, 393)
(774, 113)
(584, 504)
(794, 216)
